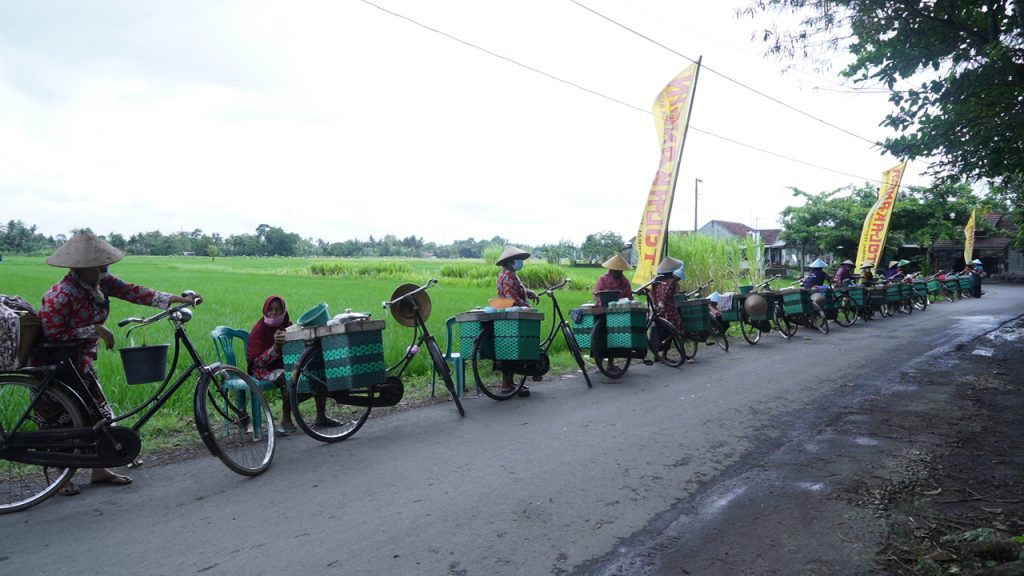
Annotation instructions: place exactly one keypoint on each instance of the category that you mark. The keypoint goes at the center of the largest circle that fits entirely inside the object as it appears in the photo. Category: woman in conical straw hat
(844, 275)
(866, 277)
(510, 286)
(817, 276)
(670, 272)
(615, 278)
(76, 307)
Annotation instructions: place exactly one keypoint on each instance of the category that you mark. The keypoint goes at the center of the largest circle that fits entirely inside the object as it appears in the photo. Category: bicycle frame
(123, 439)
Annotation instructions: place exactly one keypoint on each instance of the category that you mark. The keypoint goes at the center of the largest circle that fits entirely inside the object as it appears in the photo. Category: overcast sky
(336, 119)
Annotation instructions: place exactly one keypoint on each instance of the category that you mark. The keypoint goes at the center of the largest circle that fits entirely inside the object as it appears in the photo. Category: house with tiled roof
(992, 245)
(774, 247)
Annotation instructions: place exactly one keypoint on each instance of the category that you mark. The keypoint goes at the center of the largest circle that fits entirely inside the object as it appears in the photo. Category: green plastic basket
(796, 301)
(695, 315)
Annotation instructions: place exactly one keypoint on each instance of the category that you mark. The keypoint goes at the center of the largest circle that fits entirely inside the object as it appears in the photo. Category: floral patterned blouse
(664, 294)
(71, 310)
(510, 286)
(609, 282)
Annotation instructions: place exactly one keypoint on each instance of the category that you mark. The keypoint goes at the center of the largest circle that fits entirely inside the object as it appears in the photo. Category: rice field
(234, 290)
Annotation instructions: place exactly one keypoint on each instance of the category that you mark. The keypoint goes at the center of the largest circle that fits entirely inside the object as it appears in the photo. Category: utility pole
(695, 182)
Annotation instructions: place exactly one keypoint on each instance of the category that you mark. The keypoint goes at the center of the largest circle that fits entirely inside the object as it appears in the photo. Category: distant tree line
(19, 238)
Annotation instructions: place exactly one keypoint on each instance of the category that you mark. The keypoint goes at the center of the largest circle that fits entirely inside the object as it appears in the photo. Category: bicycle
(48, 430)
(491, 382)
(715, 329)
(654, 332)
(842, 305)
(773, 317)
(806, 309)
(342, 404)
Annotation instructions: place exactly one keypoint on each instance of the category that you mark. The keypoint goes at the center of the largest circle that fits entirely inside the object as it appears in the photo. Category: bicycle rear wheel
(490, 381)
(320, 414)
(234, 421)
(25, 485)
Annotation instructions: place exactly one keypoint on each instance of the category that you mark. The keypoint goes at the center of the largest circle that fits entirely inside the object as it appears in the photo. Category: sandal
(524, 392)
(69, 489)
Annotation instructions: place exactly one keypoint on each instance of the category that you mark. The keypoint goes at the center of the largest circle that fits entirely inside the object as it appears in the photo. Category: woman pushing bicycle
(76, 307)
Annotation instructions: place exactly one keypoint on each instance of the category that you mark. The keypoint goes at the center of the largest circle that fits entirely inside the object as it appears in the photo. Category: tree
(601, 245)
(966, 58)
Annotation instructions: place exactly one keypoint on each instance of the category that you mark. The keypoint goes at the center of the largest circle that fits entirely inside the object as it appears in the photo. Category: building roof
(735, 228)
(997, 220)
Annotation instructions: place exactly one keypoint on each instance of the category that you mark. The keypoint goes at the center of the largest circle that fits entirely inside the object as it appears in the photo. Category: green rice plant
(538, 276)
(470, 273)
(384, 269)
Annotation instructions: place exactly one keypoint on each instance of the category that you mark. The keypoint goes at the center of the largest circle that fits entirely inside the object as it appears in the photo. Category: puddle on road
(865, 441)
(1007, 333)
(982, 352)
(811, 486)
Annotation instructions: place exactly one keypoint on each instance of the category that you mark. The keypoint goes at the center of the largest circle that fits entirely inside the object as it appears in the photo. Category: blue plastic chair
(457, 361)
(224, 339)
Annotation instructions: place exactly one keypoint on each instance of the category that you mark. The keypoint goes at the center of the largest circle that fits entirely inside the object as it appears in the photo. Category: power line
(730, 79)
(605, 96)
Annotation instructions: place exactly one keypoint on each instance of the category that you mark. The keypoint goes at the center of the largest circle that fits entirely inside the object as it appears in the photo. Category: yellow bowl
(500, 303)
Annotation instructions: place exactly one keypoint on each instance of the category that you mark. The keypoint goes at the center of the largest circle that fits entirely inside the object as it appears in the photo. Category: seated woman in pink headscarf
(615, 279)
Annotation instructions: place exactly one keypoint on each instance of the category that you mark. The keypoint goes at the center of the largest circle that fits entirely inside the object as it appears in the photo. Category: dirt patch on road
(920, 475)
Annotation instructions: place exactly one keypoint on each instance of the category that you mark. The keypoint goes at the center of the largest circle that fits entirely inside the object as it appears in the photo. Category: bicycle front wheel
(846, 312)
(577, 354)
(234, 421)
(441, 365)
(784, 324)
(668, 343)
(322, 415)
(718, 333)
(750, 332)
(25, 485)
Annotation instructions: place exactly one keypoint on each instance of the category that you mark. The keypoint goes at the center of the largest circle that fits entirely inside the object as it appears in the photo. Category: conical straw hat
(85, 250)
(512, 253)
(617, 262)
(669, 264)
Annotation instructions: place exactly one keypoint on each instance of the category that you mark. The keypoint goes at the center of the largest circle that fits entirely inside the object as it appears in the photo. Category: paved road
(563, 482)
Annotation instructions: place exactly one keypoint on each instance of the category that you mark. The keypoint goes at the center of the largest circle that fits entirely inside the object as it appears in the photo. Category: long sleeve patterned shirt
(71, 310)
(509, 286)
(664, 294)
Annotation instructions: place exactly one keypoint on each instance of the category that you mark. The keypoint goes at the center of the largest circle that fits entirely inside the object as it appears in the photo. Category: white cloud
(336, 120)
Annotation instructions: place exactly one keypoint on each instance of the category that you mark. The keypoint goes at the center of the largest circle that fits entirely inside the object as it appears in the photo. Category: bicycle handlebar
(696, 291)
(558, 286)
(163, 314)
(388, 304)
(767, 281)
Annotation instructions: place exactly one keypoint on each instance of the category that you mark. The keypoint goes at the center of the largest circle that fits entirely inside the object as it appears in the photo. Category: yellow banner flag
(876, 224)
(671, 117)
(969, 239)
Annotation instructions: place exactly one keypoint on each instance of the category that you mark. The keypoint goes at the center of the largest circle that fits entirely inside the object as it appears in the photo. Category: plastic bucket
(315, 316)
(606, 297)
(144, 364)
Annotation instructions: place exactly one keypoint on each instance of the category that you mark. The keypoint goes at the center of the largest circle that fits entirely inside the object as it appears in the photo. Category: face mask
(274, 321)
(517, 265)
